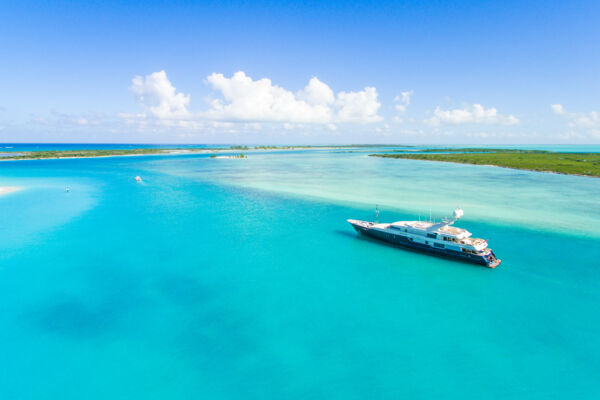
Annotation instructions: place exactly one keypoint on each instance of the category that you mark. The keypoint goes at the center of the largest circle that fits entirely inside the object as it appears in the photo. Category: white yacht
(437, 238)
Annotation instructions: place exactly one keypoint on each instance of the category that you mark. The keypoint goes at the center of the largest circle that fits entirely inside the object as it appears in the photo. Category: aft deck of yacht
(473, 241)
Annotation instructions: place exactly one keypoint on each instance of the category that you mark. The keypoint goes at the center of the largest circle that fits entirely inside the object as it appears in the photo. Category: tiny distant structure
(138, 178)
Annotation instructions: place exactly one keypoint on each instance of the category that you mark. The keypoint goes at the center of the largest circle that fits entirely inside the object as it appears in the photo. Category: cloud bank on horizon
(242, 99)
(475, 114)
(240, 104)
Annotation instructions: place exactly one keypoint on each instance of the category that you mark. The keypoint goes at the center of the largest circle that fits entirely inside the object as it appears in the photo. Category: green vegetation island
(585, 164)
(50, 154)
(54, 154)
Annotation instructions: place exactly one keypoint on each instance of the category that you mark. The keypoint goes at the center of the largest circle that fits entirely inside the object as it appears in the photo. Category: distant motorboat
(138, 178)
(67, 189)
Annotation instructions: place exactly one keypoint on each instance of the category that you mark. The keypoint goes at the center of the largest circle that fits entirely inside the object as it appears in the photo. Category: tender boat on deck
(436, 238)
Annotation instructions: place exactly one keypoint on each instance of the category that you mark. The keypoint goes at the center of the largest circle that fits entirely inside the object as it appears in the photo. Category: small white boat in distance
(138, 178)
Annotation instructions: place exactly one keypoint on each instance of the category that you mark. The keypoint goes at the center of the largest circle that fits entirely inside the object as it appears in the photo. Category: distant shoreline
(67, 154)
(73, 154)
(27, 157)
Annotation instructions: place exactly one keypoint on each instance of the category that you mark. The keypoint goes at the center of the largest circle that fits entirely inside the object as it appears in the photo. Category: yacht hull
(402, 241)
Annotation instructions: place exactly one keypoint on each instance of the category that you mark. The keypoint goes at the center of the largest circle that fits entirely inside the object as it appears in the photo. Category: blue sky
(379, 72)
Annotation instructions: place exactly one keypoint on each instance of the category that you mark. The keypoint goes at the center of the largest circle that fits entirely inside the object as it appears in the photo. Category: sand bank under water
(8, 189)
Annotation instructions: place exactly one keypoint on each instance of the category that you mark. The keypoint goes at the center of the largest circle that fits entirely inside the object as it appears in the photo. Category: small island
(59, 154)
(585, 164)
(241, 155)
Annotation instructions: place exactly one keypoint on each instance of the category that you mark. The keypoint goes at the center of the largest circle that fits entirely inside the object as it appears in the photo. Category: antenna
(376, 213)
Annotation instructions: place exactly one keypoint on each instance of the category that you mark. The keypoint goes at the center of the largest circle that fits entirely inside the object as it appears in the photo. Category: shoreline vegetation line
(583, 164)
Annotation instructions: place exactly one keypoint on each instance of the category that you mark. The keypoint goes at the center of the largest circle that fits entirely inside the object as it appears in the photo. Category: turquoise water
(223, 278)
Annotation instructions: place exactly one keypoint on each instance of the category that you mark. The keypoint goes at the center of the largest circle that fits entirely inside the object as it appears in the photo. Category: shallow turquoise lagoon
(224, 278)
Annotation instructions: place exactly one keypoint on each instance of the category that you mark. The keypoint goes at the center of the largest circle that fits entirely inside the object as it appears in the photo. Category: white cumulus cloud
(558, 109)
(245, 99)
(156, 93)
(404, 97)
(582, 125)
(578, 119)
(359, 106)
(475, 114)
(242, 101)
(404, 100)
(316, 92)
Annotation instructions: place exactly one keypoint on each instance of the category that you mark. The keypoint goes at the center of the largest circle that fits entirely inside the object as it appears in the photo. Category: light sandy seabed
(8, 189)
(227, 157)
